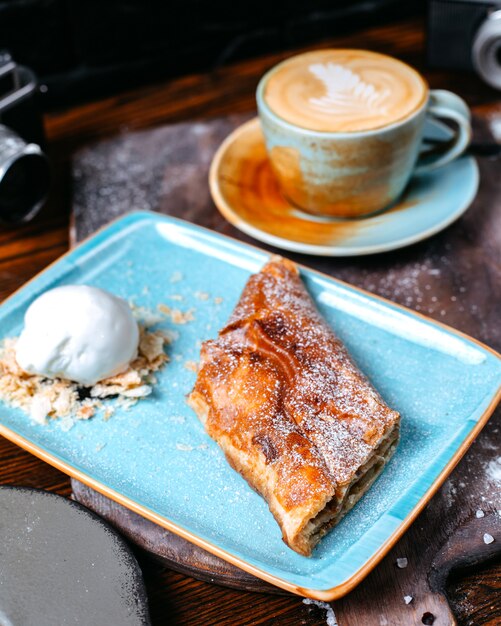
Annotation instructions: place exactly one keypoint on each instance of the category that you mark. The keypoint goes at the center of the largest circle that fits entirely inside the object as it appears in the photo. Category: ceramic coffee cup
(344, 129)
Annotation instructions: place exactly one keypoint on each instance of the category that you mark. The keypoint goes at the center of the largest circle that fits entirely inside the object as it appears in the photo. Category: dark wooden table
(174, 598)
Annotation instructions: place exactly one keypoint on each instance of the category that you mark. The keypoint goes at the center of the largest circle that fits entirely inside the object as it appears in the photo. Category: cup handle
(446, 105)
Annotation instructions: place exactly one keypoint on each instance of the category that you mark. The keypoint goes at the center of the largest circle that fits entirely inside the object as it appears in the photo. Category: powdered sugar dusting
(493, 470)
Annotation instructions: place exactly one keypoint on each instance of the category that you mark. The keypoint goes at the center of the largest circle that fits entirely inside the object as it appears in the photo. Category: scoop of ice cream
(77, 332)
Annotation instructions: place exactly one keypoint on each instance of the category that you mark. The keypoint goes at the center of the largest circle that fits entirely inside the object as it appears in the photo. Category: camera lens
(24, 186)
(486, 53)
(24, 177)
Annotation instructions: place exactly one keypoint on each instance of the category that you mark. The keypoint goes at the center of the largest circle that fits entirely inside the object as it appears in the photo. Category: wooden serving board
(453, 277)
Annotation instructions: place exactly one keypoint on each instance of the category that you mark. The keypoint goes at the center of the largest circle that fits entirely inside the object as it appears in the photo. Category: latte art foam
(343, 90)
(346, 92)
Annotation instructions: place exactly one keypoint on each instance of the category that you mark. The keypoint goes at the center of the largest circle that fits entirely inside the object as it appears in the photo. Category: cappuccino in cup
(343, 129)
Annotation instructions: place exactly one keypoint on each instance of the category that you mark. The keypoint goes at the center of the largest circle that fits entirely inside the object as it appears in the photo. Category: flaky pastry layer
(293, 414)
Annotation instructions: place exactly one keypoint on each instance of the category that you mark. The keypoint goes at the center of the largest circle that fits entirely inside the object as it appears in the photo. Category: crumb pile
(43, 398)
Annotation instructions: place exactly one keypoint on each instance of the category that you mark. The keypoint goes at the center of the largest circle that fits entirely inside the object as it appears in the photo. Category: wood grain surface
(465, 292)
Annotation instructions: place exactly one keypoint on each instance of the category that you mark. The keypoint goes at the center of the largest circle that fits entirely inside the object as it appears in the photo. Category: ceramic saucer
(246, 193)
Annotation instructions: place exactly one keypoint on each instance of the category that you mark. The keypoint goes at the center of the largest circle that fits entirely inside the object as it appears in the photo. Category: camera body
(466, 35)
(19, 109)
(24, 168)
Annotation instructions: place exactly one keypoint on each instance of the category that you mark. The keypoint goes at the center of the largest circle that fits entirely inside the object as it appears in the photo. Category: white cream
(80, 333)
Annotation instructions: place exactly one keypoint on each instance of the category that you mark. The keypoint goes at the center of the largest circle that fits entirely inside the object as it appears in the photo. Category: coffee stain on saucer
(249, 193)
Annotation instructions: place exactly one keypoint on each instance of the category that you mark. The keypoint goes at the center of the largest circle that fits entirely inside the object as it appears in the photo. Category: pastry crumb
(402, 563)
(218, 300)
(202, 295)
(479, 513)
(191, 365)
(488, 538)
(86, 411)
(176, 277)
(177, 316)
(408, 599)
(108, 412)
(180, 317)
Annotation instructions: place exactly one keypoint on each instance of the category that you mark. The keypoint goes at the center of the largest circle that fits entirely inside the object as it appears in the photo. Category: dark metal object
(62, 564)
(24, 177)
(487, 50)
(466, 34)
(24, 168)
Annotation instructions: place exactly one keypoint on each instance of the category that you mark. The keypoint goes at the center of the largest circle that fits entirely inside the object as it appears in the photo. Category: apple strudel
(280, 394)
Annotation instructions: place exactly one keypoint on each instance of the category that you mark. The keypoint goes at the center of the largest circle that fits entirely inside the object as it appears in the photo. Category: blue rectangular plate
(157, 459)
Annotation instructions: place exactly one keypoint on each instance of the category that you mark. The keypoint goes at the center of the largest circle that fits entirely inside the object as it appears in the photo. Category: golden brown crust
(279, 393)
